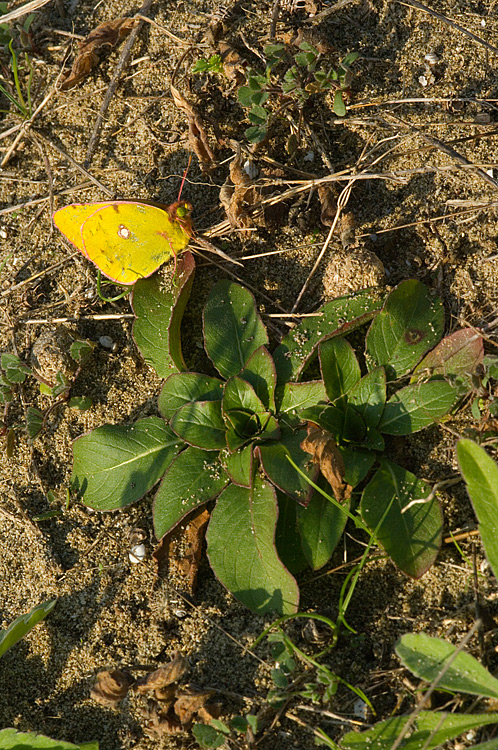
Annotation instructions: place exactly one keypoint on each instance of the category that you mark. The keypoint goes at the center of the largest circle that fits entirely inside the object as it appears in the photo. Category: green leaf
(82, 403)
(357, 463)
(260, 373)
(11, 739)
(200, 424)
(411, 539)
(192, 479)
(436, 725)
(280, 472)
(338, 106)
(294, 397)
(159, 315)
(81, 351)
(207, 736)
(320, 524)
(426, 657)
(240, 396)
(238, 466)
(458, 354)
(241, 549)
(410, 323)
(22, 625)
(115, 465)
(340, 369)
(15, 370)
(232, 327)
(185, 387)
(345, 425)
(256, 133)
(368, 396)
(34, 421)
(480, 473)
(416, 406)
(337, 318)
(287, 537)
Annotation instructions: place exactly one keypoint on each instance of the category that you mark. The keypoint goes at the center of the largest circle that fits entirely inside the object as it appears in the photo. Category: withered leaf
(160, 723)
(238, 195)
(198, 140)
(328, 204)
(97, 44)
(182, 550)
(163, 676)
(111, 687)
(325, 453)
(189, 702)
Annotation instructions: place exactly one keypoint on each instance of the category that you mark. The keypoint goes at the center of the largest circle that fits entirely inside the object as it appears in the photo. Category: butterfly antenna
(185, 175)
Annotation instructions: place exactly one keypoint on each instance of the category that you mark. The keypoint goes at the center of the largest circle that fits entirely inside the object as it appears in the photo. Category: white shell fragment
(431, 58)
(137, 553)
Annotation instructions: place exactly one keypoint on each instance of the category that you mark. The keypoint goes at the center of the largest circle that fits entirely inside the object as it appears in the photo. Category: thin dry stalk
(122, 62)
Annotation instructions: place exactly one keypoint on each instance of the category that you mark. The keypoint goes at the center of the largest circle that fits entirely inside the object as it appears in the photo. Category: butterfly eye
(182, 211)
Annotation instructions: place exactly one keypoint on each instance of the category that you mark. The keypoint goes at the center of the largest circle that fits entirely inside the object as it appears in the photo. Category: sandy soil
(425, 212)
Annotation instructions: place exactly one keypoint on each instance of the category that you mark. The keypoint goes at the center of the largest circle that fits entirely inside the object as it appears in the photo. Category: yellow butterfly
(127, 240)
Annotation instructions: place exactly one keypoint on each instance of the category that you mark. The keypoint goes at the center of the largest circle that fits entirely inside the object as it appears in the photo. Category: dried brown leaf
(111, 687)
(238, 195)
(164, 676)
(234, 65)
(324, 451)
(160, 723)
(328, 204)
(179, 552)
(96, 46)
(189, 702)
(198, 139)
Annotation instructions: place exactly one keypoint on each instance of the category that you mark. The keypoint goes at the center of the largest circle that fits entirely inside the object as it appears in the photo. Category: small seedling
(213, 64)
(12, 85)
(13, 373)
(266, 445)
(290, 79)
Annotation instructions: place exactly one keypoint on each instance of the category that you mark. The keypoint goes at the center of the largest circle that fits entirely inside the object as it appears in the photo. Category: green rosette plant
(275, 451)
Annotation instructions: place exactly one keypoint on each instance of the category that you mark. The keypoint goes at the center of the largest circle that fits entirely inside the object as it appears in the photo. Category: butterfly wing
(70, 219)
(126, 240)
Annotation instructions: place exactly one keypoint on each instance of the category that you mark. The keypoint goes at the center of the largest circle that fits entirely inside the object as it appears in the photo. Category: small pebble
(310, 156)
(422, 80)
(360, 708)
(137, 553)
(3, 233)
(106, 342)
(251, 169)
(431, 58)
(484, 566)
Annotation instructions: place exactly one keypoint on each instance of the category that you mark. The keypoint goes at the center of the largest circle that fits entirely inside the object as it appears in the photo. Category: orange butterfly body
(127, 240)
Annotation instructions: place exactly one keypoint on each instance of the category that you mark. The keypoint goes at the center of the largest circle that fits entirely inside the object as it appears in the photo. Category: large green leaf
(232, 327)
(430, 730)
(239, 465)
(159, 315)
(337, 318)
(287, 536)
(194, 478)
(23, 624)
(276, 466)
(426, 657)
(241, 549)
(294, 397)
(11, 739)
(115, 465)
(480, 473)
(416, 406)
(410, 323)
(460, 353)
(240, 396)
(411, 538)
(368, 396)
(200, 423)
(340, 368)
(320, 524)
(183, 387)
(260, 373)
